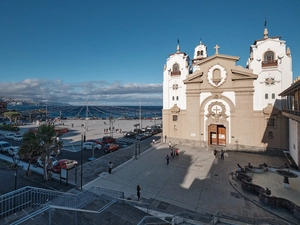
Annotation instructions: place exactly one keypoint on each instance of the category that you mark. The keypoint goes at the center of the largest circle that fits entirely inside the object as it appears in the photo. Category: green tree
(30, 148)
(42, 143)
(12, 116)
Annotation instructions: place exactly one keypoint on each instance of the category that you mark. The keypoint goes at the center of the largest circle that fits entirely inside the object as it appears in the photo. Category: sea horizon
(90, 111)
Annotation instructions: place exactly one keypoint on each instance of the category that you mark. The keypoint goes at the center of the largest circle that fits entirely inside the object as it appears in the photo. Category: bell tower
(199, 54)
(271, 60)
(176, 70)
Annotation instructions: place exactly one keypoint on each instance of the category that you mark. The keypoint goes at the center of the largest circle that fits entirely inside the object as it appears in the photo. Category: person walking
(170, 145)
(222, 154)
(168, 159)
(138, 192)
(110, 166)
(215, 153)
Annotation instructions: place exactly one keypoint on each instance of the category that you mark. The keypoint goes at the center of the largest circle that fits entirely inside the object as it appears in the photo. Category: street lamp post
(111, 125)
(81, 163)
(16, 162)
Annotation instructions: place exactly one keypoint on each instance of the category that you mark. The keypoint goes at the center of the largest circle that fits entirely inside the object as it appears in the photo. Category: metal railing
(22, 198)
(25, 197)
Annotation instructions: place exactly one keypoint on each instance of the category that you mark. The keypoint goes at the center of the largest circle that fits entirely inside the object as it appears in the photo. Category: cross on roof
(217, 49)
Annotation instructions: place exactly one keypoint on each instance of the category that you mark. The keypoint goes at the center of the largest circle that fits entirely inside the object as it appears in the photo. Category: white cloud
(95, 92)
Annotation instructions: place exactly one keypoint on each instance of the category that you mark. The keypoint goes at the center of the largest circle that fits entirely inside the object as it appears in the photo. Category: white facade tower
(199, 54)
(176, 70)
(271, 60)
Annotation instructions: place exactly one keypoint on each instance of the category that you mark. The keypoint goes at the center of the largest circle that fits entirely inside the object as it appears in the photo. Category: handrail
(31, 215)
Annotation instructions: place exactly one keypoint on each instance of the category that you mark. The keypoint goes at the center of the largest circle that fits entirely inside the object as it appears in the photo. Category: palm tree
(40, 143)
(30, 149)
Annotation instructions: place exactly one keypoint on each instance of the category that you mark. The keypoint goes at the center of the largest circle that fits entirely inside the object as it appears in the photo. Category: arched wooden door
(216, 134)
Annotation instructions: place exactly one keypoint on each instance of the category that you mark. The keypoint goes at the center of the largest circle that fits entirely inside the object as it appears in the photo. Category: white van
(4, 146)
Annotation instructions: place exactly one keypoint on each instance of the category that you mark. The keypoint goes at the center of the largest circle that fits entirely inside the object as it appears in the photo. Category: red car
(108, 139)
(110, 147)
(64, 164)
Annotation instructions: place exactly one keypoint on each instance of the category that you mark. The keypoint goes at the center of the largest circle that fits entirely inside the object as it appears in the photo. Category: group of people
(221, 154)
(173, 153)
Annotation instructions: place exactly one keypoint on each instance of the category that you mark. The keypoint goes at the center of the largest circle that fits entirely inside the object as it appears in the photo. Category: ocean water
(90, 111)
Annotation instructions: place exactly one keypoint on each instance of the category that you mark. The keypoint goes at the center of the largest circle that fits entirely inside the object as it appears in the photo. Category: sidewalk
(195, 181)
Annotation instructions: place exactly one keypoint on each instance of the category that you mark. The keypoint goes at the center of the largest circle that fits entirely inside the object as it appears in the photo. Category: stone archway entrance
(216, 134)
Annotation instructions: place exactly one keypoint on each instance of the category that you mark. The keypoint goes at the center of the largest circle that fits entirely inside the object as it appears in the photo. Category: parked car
(41, 161)
(9, 135)
(13, 151)
(140, 137)
(122, 144)
(5, 146)
(64, 164)
(108, 139)
(129, 134)
(110, 147)
(89, 146)
(18, 137)
(148, 134)
(137, 131)
(95, 141)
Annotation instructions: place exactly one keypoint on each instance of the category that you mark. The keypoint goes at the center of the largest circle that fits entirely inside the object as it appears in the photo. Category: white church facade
(211, 101)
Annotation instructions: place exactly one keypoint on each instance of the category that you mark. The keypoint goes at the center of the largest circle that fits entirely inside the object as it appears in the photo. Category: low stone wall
(229, 147)
(246, 183)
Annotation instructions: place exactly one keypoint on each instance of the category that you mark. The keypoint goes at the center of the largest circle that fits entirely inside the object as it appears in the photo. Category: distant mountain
(15, 101)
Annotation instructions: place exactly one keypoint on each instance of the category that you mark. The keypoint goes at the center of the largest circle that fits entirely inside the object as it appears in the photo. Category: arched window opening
(266, 96)
(216, 76)
(176, 69)
(269, 56)
(273, 95)
(270, 135)
(269, 59)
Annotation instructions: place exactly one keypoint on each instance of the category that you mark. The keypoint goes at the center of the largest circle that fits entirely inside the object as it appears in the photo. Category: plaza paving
(194, 181)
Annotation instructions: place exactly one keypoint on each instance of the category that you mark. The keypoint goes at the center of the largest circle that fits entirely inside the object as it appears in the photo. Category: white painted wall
(282, 74)
(293, 144)
(169, 80)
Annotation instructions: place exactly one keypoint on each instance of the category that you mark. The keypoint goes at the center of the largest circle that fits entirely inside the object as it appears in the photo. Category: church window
(201, 53)
(268, 56)
(270, 135)
(271, 122)
(198, 53)
(273, 95)
(175, 117)
(216, 76)
(176, 69)
(173, 98)
(269, 59)
(177, 98)
(266, 96)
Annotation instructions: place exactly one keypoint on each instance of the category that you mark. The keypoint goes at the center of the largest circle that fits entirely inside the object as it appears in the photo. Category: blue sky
(113, 52)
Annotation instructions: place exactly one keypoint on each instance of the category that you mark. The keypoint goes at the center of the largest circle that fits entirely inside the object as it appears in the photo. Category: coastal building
(213, 102)
(3, 107)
